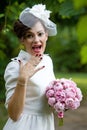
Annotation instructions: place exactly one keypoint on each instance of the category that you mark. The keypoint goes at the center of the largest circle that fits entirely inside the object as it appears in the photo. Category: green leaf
(84, 54)
(2, 15)
(82, 29)
(60, 1)
(79, 3)
(2, 55)
(2, 45)
(67, 10)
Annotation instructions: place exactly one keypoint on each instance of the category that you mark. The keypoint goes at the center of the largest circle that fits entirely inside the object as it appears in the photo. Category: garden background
(68, 48)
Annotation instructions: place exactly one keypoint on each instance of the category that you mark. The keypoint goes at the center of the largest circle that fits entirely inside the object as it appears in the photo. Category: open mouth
(37, 48)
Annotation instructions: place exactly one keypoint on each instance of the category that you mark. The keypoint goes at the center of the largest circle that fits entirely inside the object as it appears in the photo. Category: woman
(28, 75)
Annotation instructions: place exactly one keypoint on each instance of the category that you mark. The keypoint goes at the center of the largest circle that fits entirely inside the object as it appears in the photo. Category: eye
(29, 36)
(40, 34)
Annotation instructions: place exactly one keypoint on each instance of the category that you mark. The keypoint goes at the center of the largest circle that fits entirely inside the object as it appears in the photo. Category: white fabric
(37, 114)
(39, 11)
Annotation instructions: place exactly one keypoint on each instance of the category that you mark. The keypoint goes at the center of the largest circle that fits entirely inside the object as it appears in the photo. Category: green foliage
(82, 29)
(3, 115)
(60, 1)
(1, 15)
(67, 55)
(80, 3)
(12, 12)
(66, 9)
(84, 54)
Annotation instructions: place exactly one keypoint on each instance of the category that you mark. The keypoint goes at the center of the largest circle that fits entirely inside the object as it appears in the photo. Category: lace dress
(37, 114)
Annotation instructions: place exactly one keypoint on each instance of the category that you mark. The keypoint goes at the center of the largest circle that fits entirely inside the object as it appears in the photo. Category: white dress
(36, 114)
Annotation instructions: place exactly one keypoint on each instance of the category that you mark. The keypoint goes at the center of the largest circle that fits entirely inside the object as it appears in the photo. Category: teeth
(36, 47)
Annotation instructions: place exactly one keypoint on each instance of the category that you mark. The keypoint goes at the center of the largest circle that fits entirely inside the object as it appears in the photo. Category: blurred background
(68, 48)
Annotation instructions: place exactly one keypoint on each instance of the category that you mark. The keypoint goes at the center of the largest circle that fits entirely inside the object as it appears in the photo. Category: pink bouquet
(63, 94)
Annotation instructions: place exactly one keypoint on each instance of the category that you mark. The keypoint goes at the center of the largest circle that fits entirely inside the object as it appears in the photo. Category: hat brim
(26, 16)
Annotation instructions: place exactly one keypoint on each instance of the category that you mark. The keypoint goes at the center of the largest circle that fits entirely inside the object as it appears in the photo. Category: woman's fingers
(29, 69)
(36, 70)
(35, 60)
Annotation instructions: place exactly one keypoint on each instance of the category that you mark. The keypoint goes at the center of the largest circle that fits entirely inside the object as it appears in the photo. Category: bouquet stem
(60, 121)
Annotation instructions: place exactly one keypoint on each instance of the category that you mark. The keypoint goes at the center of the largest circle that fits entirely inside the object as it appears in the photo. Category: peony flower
(69, 103)
(60, 96)
(61, 114)
(58, 86)
(79, 94)
(63, 94)
(50, 93)
(70, 92)
(59, 106)
(51, 101)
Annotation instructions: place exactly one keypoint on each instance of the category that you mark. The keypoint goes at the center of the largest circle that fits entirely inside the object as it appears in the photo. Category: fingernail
(36, 54)
(19, 61)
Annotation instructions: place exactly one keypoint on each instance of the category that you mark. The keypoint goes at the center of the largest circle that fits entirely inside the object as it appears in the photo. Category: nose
(36, 39)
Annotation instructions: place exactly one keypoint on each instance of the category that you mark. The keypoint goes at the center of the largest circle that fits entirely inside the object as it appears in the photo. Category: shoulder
(47, 57)
(14, 63)
(48, 61)
(12, 68)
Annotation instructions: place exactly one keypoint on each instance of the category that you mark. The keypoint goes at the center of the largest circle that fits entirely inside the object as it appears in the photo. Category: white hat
(40, 12)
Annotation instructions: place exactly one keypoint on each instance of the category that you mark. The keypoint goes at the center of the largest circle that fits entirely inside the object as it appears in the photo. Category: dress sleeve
(10, 76)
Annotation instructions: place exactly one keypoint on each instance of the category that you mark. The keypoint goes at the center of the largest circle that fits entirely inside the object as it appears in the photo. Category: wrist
(21, 83)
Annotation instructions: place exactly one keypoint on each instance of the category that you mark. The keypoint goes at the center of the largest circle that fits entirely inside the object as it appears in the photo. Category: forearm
(17, 101)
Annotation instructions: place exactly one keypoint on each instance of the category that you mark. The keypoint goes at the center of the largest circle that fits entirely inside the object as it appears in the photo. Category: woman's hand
(29, 69)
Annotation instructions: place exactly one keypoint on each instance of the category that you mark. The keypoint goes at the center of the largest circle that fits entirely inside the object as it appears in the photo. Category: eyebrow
(30, 31)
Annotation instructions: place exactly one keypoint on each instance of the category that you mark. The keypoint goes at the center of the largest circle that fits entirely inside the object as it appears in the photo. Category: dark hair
(20, 29)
